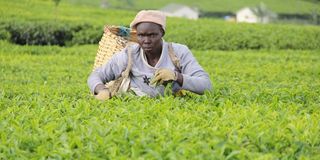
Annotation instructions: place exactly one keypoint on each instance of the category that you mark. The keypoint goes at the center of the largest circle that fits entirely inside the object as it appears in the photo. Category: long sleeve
(109, 71)
(195, 79)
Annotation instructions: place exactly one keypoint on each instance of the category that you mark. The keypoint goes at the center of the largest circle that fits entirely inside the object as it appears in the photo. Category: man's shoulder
(180, 50)
(178, 45)
(133, 47)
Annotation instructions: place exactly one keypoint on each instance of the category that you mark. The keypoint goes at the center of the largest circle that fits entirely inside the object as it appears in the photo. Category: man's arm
(107, 72)
(193, 77)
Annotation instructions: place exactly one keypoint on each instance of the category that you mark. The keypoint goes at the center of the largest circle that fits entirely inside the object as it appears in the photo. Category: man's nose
(147, 39)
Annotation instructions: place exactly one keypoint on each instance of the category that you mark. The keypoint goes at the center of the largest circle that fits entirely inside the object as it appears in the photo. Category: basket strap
(126, 72)
(174, 58)
(115, 86)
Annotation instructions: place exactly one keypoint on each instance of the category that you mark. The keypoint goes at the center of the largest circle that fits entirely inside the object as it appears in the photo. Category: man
(152, 65)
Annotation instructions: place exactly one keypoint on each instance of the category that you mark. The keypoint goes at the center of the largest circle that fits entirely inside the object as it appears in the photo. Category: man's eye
(147, 35)
(153, 35)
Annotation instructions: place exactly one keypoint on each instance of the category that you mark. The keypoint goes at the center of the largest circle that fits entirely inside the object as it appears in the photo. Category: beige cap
(153, 16)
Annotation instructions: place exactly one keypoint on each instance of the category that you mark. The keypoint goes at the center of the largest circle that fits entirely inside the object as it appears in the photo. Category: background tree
(128, 3)
(56, 4)
(263, 13)
(314, 1)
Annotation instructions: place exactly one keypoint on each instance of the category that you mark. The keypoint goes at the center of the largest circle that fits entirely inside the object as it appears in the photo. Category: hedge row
(49, 33)
(232, 36)
(201, 34)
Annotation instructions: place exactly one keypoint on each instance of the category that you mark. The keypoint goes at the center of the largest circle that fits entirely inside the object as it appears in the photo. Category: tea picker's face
(149, 36)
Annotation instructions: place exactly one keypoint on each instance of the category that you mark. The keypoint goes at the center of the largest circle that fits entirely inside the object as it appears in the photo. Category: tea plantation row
(201, 34)
(265, 105)
(39, 22)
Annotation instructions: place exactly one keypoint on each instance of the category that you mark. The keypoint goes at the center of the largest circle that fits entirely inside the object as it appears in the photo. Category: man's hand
(163, 75)
(103, 95)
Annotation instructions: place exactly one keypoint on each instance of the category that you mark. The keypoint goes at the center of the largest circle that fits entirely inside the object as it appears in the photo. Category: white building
(255, 15)
(177, 10)
(246, 15)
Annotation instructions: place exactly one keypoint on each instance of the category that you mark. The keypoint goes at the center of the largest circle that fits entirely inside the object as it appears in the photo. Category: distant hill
(278, 6)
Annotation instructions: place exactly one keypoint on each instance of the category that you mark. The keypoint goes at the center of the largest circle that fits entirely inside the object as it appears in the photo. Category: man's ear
(162, 32)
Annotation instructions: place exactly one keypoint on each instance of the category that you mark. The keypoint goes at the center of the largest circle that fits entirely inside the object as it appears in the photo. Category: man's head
(153, 16)
(149, 36)
(150, 27)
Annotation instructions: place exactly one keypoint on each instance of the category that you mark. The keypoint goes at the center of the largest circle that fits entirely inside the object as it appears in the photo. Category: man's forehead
(148, 25)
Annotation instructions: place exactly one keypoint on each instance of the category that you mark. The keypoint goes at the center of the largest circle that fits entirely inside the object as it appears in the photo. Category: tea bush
(40, 33)
(208, 34)
(201, 34)
(265, 105)
(38, 22)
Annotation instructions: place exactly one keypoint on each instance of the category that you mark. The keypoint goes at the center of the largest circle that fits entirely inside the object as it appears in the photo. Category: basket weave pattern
(108, 46)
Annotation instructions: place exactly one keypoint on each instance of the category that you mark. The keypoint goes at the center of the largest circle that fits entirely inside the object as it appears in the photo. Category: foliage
(265, 105)
(296, 6)
(37, 10)
(208, 34)
(314, 1)
(56, 2)
(4, 34)
(196, 35)
(38, 33)
(263, 12)
(49, 33)
(84, 25)
(89, 35)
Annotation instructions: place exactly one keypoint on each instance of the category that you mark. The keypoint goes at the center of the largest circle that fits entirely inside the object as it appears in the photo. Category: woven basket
(109, 44)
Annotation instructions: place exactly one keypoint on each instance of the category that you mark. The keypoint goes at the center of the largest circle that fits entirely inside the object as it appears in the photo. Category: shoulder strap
(126, 72)
(121, 84)
(175, 60)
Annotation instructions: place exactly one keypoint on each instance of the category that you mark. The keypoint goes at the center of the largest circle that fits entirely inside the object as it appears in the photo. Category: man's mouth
(147, 48)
